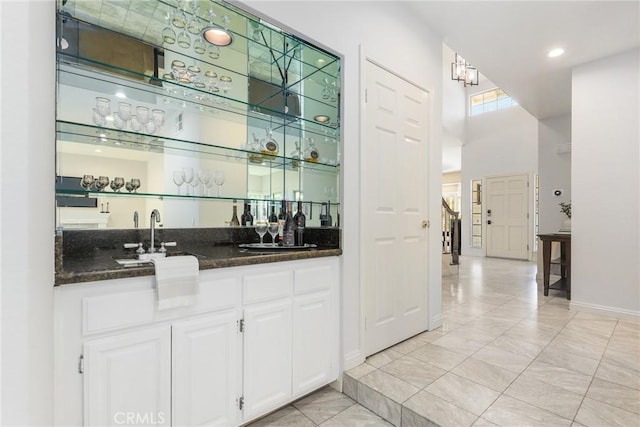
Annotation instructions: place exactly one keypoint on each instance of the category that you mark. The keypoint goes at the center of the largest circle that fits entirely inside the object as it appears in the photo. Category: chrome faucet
(135, 219)
(155, 217)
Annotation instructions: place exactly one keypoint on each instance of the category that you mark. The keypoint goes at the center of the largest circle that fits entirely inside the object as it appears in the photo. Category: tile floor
(505, 355)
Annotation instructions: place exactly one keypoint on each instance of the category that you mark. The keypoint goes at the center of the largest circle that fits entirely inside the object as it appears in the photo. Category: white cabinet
(267, 356)
(127, 378)
(205, 368)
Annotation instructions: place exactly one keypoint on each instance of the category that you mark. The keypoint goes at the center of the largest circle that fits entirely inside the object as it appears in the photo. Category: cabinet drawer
(267, 286)
(313, 278)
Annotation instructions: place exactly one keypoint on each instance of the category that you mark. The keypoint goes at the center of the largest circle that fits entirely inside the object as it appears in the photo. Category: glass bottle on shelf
(296, 156)
(268, 145)
(247, 217)
(282, 216)
(254, 148)
(311, 153)
(289, 229)
(234, 218)
(325, 214)
(300, 221)
(272, 216)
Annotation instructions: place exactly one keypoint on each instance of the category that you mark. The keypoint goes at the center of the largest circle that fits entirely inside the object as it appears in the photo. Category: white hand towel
(176, 280)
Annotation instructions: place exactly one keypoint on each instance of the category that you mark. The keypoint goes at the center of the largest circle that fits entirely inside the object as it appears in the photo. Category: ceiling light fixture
(321, 118)
(217, 36)
(464, 72)
(554, 53)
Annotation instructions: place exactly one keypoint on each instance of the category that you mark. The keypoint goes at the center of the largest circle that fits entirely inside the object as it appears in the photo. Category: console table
(564, 283)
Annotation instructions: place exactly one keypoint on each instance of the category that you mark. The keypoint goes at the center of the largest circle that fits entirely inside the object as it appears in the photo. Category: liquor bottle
(311, 153)
(300, 220)
(282, 216)
(234, 219)
(289, 228)
(325, 215)
(272, 216)
(247, 218)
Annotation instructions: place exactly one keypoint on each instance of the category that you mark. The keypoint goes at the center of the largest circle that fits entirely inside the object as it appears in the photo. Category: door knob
(426, 223)
(489, 222)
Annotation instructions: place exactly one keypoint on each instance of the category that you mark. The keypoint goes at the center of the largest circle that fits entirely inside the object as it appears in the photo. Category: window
(476, 214)
(491, 100)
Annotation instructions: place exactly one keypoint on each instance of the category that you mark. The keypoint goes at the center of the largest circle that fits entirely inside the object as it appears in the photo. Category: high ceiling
(509, 40)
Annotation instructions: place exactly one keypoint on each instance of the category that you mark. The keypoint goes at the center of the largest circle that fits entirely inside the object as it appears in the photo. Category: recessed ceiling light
(217, 36)
(98, 150)
(121, 95)
(321, 118)
(553, 53)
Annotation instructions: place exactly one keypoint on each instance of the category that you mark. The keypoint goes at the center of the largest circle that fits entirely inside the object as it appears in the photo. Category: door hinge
(366, 95)
(241, 325)
(241, 403)
(81, 364)
(527, 247)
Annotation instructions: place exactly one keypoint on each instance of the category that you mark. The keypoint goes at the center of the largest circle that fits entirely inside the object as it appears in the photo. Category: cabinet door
(127, 378)
(206, 370)
(267, 356)
(313, 350)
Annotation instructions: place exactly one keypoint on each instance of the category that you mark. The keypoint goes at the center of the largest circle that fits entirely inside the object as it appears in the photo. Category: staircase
(450, 240)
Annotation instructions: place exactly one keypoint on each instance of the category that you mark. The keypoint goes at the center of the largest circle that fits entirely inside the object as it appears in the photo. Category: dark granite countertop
(85, 256)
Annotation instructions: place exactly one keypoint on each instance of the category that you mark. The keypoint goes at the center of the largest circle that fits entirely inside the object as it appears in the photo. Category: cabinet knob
(426, 223)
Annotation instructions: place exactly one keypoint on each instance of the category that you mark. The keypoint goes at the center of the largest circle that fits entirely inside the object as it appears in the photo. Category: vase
(566, 226)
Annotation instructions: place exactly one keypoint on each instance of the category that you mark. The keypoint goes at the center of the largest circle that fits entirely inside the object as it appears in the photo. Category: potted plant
(565, 208)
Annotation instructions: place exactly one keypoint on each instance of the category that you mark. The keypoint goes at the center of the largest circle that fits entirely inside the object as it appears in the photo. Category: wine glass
(184, 41)
(178, 179)
(117, 184)
(187, 172)
(218, 178)
(101, 182)
(103, 106)
(204, 177)
(128, 186)
(135, 184)
(87, 181)
(261, 228)
(273, 230)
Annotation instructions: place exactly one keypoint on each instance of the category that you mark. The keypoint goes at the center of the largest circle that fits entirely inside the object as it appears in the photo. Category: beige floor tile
(460, 343)
(574, 362)
(360, 370)
(507, 412)
(619, 374)
(390, 386)
(624, 359)
(481, 422)
(379, 404)
(378, 360)
(438, 356)
(463, 393)
(615, 395)
(502, 358)
(414, 371)
(407, 346)
(323, 404)
(487, 374)
(356, 416)
(546, 396)
(518, 345)
(579, 348)
(558, 376)
(439, 411)
(285, 417)
(594, 413)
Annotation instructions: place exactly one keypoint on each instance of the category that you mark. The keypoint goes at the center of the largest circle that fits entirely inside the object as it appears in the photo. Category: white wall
(500, 142)
(554, 170)
(27, 224)
(605, 180)
(413, 52)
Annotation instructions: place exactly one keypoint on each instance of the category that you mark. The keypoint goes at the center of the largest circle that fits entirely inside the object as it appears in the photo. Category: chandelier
(464, 72)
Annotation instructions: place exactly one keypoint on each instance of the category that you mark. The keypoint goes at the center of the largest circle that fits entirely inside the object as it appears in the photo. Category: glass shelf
(162, 196)
(125, 140)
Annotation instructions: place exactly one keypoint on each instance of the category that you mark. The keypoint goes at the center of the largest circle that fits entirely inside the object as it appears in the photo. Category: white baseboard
(352, 359)
(435, 322)
(602, 310)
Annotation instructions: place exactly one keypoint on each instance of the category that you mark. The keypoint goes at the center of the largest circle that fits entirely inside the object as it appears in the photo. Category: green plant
(565, 208)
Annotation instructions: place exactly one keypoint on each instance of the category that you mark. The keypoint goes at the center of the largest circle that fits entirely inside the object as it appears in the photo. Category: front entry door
(394, 208)
(507, 216)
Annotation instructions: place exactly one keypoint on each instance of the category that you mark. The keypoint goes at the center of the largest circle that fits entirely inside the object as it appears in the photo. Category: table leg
(546, 264)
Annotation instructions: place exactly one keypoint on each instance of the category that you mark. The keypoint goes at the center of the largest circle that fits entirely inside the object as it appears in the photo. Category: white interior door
(394, 208)
(507, 216)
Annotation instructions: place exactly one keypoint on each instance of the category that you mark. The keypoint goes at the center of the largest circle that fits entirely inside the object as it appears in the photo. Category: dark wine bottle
(300, 220)
(247, 217)
(234, 219)
(272, 216)
(282, 216)
(325, 215)
(289, 228)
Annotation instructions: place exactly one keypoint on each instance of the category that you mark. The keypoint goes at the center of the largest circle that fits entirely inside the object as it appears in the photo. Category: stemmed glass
(204, 177)
(218, 178)
(273, 230)
(178, 179)
(261, 229)
(187, 173)
(128, 186)
(117, 183)
(101, 182)
(87, 181)
(135, 184)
